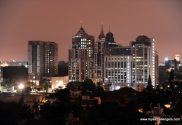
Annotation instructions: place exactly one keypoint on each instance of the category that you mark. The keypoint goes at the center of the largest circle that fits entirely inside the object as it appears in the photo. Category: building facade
(110, 63)
(144, 60)
(117, 70)
(50, 59)
(81, 56)
(128, 66)
(42, 60)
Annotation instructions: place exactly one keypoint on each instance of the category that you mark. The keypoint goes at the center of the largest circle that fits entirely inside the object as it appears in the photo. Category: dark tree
(45, 84)
(88, 86)
(149, 87)
(171, 76)
(74, 85)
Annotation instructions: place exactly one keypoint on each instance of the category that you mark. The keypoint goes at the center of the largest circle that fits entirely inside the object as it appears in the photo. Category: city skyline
(58, 21)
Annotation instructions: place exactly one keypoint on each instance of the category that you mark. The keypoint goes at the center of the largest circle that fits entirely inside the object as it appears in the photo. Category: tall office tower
(42, 59)
(35, 60)
(99, 52)
(81, 56)
(50, 58)
(143, 62)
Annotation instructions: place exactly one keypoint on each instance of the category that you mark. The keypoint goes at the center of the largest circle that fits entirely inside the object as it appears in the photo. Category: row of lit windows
(117, 58)
(116, 64)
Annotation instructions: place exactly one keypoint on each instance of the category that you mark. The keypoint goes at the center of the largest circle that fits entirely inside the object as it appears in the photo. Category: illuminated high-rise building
(50, 58)
(42, 59)
(128, 66)
(144, 60)
(110, 63)
(81, 56)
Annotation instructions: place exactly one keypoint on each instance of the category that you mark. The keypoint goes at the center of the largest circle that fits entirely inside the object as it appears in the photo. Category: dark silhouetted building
(62, 68)
(14, 74)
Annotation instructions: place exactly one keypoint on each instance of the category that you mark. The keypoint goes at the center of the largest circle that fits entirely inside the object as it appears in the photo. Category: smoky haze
(59, 20)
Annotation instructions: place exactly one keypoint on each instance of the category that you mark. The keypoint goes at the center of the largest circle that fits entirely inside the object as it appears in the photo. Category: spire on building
(81, 32)
(101, 35)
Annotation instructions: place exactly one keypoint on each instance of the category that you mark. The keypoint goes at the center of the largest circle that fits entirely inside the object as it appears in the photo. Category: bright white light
(153, 40)
(21, 86)
(59, 84)
(117, 87)
(166, 59)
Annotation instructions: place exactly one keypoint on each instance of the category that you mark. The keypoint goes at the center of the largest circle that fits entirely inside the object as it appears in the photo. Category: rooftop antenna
(102, 27)
(81, 23)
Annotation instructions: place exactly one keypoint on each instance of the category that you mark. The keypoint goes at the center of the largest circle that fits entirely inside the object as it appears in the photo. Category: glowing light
(44, 100)
(21, 86)
(168, 106)
(117, 87)
(140, 110)
(166, 59)
(59, 83)
(4, 64)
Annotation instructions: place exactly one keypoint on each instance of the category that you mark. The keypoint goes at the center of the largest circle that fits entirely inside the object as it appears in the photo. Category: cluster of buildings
(100, 59)
(105, 61)
(41, 70)
(169, 65)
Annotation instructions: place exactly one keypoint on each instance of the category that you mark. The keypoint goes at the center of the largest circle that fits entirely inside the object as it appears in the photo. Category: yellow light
(168, 106)
(140, 110)
(59, 84)
(44, 100)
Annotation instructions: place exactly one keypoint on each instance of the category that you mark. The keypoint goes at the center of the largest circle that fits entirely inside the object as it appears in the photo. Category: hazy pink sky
(59, 20)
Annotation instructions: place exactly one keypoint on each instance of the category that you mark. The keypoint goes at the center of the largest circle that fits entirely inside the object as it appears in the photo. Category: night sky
(59, 20)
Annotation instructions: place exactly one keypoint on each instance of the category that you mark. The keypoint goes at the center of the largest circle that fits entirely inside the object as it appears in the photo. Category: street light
(21, 86)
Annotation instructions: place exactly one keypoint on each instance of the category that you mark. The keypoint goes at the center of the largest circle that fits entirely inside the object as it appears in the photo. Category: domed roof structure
(110, 37)
(142, 38)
